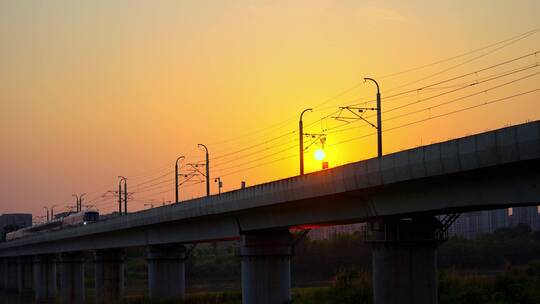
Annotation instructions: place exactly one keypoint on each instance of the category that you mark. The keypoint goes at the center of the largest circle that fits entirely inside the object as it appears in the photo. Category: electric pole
(379, 125)
(52, 212)
(120, 197)
(301, 134)
(124, 179)
(176, 178)
(80, 201)
(207, 170)
(220, 184)
(76, 202)
(47, 209)
(125, 196)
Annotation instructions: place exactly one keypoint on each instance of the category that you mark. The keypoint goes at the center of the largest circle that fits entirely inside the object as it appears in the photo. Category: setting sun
(319, 154)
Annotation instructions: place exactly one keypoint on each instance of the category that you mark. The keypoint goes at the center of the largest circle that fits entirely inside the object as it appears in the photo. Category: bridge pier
(166, 272)
(405, 260)
(11, 278)
(266, 267)
(45, 287)
(72, 289)
(109, 275)
(3, 273)
(25, 274)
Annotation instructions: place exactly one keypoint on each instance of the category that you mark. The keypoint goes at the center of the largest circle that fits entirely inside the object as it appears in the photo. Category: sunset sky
(90, 90)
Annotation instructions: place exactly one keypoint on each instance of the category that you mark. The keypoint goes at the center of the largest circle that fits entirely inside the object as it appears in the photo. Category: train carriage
(72, 220)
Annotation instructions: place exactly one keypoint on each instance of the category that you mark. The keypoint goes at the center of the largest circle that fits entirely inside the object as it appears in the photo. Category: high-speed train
(74, 219)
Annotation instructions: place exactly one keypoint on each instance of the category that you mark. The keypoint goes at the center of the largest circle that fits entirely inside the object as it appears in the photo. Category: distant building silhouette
(20, 220)
(14, 221)
(331, 231)
(527, 215)
(468, 225)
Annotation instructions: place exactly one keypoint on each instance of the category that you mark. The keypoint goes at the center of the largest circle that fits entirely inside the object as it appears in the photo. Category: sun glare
(319, 154)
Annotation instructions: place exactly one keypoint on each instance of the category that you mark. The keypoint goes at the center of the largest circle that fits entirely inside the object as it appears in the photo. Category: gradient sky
(90, 90)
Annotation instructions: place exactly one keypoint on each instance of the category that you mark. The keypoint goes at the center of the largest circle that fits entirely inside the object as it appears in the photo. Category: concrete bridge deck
(490, 170)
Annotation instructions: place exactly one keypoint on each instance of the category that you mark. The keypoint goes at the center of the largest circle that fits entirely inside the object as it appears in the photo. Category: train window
(91, 216)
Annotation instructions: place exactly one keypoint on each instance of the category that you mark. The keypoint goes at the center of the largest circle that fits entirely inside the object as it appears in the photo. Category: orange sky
(90, 90)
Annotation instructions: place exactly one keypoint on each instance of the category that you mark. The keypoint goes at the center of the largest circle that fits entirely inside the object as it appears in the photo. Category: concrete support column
(109, 275)
(45, 287)
(166, 272)
(72, 278)
(3, 273)
(25, 274)
(405, 260)
(266, 267)
(12, 275)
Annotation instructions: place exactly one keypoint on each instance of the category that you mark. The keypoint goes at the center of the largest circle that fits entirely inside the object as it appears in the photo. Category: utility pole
(124, 179)
(76, 202)
(379, 125)
(125, 197)
(47, 209)
(52, 212)
(80, 201)
(301, 134)
(220, 184)
(176, 179)
(120, 197)
(207, 169)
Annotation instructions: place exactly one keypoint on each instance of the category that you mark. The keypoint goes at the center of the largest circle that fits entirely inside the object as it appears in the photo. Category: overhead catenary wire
(371, 134)
(510, 41)
(482, 91)
(236, 157)
(533, 31)
(463, 86)
(392, 129)
(519, 37)
(244, 162)
(463, 63)
(438, 83)
(170, 190)
(462, 97)
(475, 72)
(441, 115)
(236, 154)
(155, 171)
(98, 197)
(263, 157)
